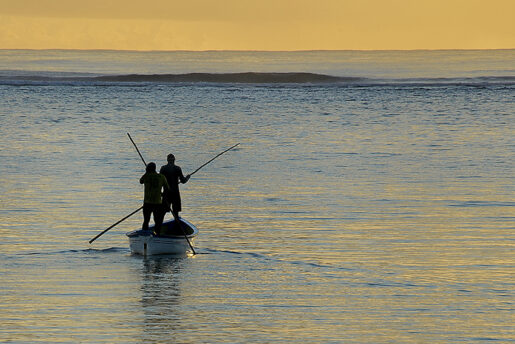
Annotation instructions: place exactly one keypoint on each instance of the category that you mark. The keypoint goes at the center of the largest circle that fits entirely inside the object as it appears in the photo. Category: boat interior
(171, 228)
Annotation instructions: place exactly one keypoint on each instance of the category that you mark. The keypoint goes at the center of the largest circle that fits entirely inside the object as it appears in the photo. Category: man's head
(170, 158)
(151, 167)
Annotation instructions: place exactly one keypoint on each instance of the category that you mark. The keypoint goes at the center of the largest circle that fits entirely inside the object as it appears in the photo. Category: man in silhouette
(153, 203)
(174, 176)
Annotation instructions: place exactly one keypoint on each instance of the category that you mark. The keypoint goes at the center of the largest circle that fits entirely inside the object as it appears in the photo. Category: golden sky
(257, 24)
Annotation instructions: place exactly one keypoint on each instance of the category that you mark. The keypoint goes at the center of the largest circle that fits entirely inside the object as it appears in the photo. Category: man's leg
(176, 206)
(167, 202)
(147, 211)
(159, 214)
(175, 215)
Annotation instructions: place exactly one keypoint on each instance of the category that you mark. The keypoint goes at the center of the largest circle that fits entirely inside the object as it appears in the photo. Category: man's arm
(183, 179)
(142, 179)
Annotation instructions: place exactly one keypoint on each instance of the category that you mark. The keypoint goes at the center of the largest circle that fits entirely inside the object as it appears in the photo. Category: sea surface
(371, 198)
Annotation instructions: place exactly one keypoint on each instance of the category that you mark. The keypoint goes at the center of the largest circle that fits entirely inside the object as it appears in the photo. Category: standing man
(152, 203)
(174, 176)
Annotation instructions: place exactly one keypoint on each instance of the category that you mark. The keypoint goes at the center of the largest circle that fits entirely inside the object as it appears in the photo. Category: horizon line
(260, 50)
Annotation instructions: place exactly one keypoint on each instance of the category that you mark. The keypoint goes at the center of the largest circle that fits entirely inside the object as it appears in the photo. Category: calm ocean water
(377, 208)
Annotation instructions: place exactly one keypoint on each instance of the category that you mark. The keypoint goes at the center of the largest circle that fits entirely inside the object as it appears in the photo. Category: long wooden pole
(225, 151)
(135, 211)
(137, 149)
(123, 219)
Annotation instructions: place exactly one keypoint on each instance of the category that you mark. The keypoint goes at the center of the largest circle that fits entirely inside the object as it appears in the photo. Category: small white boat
(171, 239)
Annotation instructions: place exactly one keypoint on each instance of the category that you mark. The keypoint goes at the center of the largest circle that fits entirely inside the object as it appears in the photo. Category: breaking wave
(45, 78)
(248, 77)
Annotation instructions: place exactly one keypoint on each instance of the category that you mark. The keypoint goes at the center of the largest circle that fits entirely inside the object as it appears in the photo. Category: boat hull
(172, 241)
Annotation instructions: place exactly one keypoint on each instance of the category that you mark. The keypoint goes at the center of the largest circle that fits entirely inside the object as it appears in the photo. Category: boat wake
(276, 260)
(87, 250)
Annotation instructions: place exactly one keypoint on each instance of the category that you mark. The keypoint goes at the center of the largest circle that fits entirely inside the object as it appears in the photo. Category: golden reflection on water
(73, 299)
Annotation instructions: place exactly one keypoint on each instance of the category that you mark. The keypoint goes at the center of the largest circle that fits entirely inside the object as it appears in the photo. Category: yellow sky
(257, 24)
